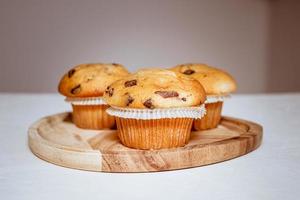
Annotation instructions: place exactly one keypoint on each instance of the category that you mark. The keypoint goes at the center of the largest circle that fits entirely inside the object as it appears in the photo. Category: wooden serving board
(57, 140)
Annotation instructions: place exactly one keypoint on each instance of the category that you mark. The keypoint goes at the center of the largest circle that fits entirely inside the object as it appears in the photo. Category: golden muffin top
(214, 81)
(155, 88)
(90, 80)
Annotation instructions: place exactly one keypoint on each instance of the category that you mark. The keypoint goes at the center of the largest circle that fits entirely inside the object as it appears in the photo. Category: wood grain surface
(57, 140)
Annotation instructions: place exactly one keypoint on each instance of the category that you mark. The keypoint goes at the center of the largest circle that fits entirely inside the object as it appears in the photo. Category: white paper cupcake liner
(86, 101)
(216, 98)
(159, 113)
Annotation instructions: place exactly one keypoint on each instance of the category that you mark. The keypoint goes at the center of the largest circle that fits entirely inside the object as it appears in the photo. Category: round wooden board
(57, 140)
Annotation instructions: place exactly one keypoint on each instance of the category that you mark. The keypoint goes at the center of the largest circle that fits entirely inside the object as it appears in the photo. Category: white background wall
(257, 41)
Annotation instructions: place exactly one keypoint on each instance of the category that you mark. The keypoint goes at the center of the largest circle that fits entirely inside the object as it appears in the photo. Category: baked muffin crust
(214, 81)
(90, 80)
(155, 88)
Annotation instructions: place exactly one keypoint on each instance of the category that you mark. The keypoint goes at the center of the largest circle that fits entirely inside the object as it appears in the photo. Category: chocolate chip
(76, 89)
(148, 104)
(189, 72)
(183, 99)
(130, 83)
(110, 91)
(71, 73)
(129, 100)
(167, 94)
(115, 64)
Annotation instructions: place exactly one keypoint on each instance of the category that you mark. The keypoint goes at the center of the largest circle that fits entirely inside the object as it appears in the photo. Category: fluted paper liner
(154, 133)
(158, 113)
(157, 128)
(92, 117)
(86, 100)
(90, 113)
(212, 117)
(216, 98)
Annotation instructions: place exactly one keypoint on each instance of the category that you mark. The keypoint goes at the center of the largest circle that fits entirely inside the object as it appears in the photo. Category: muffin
(84, 86)
(217, 84)
(155, 108)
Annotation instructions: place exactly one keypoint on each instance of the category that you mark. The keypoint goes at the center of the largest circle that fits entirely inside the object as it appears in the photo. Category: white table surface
(270, 172)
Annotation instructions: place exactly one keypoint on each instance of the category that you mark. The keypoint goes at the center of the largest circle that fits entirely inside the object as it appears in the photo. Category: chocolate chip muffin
(155, 108)
(217, 83)
(155, 89)
(84, 86)
(90, 80)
